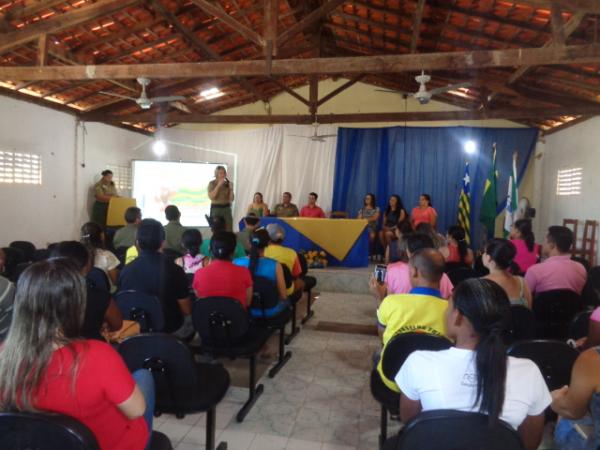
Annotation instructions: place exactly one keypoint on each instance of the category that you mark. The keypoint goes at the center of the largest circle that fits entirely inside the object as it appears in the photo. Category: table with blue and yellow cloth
(345, 241)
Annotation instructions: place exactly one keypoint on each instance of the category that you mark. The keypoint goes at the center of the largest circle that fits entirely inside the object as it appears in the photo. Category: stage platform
(342, 279)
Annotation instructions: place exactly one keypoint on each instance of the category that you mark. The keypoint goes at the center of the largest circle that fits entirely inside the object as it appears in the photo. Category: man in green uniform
(220, 192)
(173, 230)
(104, 190)
(286, 208)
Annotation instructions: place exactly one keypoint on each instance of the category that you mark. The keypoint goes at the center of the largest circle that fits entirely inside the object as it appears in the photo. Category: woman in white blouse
(477, 374)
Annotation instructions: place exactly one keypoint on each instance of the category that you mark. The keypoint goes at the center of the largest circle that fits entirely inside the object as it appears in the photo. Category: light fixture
(209, 94)
(470, 147)
(159, 147)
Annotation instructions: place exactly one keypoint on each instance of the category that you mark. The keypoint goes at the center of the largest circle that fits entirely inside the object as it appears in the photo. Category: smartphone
(380, 271)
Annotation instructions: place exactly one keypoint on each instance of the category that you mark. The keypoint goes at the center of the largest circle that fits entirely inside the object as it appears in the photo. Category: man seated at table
(421, 310)
(284, 255)
(286, 208)
(312, 210)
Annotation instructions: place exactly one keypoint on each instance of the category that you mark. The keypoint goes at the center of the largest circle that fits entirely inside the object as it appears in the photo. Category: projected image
(157, 184)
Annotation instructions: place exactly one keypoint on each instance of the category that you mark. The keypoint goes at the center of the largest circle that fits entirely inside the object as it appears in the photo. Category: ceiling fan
(423, 95)
(315, 137)
(143, 100)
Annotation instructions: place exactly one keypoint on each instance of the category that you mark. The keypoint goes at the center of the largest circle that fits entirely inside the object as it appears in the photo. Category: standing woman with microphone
(220, 192)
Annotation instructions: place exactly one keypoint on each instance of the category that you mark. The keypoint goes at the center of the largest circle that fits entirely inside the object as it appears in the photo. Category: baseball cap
(275, 231)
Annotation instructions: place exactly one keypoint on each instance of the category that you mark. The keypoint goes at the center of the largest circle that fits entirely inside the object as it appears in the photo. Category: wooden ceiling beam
(558, 25)
(313, 94)
(309, 20)
(42, 49)
(417, 25)
(480, 59)
(413, 116)
(585, 6)
(21, 12)
(341, 89)
(271, 13)
(61, 22)
(215, 10)
(290, 91)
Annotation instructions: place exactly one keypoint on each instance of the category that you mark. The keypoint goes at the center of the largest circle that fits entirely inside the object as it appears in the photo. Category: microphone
(226, 181)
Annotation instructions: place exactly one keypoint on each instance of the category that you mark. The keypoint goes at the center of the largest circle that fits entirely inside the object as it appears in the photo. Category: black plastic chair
(41, 254)
(225, 330)
(13, 257)
(26, 247)
(554, 358)
(98, 279)
(22, 267)
(309, 284)
(521, 325)
(182, 385)
(553, 311)
(591, 290)
(143, 308)
(294, 299)
(266, 296)
(455, 430)
(460, 274)
(121, 253)
(398, 348)
(580, 325)
(171, 254)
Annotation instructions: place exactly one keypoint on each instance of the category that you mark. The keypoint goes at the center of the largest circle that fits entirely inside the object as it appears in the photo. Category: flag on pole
(464, 205)
(512, 198)
(487, 215)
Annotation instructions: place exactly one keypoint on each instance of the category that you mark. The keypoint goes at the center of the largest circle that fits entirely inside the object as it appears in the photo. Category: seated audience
(558, 271)
(393, 252)
(457, 251)
(99, 305)
(424, 213)
(528, 252)
(173, 230)
(192, 260)
(286, 208)
(86, 380)
(92, 236)
(420, 310)
(397, 279)
(251, 222)
(154, 274)
(125, 236)
(578, 404)
(439, 241)
(268, 268)
(285, 255)
(498, 257)
(222, 278)
(258, 207)
(393, 216)
(7, 295)
(217, 224)
(370, 212)
(477, 374)
(311, 209)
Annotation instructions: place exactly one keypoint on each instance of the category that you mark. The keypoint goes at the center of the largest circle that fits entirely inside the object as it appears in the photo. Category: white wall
(56, 209)
(576, 146)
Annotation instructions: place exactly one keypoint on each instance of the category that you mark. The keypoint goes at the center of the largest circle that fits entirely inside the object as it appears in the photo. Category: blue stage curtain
(410, 161)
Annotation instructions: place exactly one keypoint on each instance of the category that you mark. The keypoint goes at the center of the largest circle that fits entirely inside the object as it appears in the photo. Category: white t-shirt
(105, 260)
(447, 379)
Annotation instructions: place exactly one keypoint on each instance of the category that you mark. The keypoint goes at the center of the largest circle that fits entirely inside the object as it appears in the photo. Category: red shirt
(420, 215)
(103, 381)
(222, 279)
(312, 211)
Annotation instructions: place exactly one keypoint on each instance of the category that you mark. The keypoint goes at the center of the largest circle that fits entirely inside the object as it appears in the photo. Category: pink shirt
(596, 315)
(557, 272)
(426, 215)
(312, 211)
(398, 280)
(524, 258)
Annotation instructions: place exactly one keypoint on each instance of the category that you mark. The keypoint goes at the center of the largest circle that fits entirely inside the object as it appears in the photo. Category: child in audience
(191, 240)
(477, 374)
(528, 252)
(44, 366)
(498, 258)
(92, 236)
(457, 251)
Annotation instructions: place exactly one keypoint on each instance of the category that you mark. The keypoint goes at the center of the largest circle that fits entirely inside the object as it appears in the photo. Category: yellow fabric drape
(335, 236)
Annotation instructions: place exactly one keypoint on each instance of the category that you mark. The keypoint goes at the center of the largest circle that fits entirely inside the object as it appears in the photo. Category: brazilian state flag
(487, 215)
(464, 205)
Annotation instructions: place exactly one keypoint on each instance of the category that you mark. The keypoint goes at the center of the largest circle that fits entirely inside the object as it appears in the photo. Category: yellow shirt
(287, 256)
(421, 311)
(131, 254)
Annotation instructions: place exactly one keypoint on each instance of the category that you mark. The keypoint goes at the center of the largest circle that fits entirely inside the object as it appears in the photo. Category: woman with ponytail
(477, 374)
(528, 252)
(222, 278)
(261, 266)
(457, 251)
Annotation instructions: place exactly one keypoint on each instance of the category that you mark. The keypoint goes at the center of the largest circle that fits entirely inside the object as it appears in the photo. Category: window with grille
(20, 168)
(121, 176)
(568, 181)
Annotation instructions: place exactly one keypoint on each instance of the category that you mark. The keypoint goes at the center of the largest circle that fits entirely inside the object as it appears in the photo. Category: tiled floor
(319, 401)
